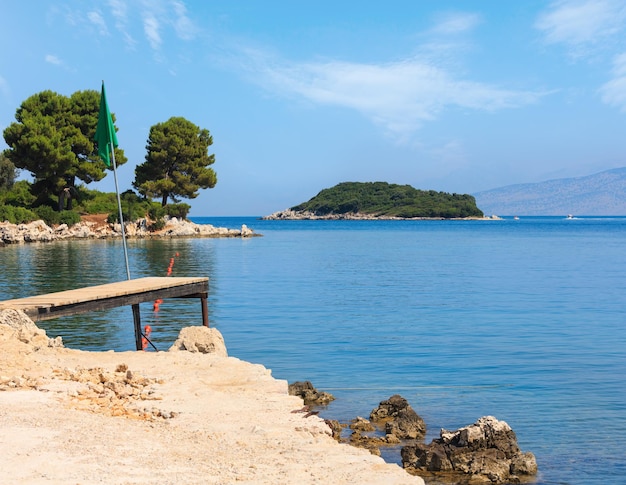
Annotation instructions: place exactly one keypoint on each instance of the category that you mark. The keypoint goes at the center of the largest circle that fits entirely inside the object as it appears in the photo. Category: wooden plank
(111, 295)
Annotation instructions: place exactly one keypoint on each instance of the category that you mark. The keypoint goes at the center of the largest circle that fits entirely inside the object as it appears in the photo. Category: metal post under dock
(112, 295)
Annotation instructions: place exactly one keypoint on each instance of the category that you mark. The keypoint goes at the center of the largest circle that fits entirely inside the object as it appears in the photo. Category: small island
(381, 200)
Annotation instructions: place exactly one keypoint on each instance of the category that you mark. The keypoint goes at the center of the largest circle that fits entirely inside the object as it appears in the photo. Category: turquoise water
(520, 319)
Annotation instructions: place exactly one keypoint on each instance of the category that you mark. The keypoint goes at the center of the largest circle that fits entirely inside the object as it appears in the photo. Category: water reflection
(32, 269)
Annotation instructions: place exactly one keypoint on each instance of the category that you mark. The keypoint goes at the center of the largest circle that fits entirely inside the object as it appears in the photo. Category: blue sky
(457, 96)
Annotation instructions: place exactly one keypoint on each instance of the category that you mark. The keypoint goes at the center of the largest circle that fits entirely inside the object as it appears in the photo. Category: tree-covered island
(381, 200)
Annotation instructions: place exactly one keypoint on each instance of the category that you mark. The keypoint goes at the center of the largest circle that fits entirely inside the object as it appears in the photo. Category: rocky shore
(97, 228)
(289, 214)
(175, 417)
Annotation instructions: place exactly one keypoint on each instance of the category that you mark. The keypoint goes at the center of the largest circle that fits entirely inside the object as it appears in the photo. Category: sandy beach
(74, 417)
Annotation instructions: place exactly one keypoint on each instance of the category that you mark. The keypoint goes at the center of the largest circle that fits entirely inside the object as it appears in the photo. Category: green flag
(105, 132)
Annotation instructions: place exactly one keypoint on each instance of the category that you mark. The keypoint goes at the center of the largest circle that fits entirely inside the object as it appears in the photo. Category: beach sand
(74, 417)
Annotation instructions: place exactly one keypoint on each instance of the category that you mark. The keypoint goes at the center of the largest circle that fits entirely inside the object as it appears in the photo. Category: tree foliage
(52, 138)
(8, 173)
(177, 162)
(390, 200)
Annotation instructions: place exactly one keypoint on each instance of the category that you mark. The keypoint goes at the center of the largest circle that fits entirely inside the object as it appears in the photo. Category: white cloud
(399, 96)
(96, 19)
(120, 14)
(581, 24)
(456, 23)
(160, 15)
(51, 59)
(614, 91)
(151, 28)
(185, 29)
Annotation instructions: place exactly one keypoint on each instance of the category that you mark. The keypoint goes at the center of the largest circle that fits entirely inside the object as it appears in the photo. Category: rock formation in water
(309, 394)
(483, 452)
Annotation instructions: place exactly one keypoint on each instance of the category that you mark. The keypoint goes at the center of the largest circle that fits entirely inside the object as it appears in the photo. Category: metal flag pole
(112, 141)
(119, 208)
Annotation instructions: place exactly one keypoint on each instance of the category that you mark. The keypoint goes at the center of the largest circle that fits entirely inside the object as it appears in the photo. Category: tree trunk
(61, 200)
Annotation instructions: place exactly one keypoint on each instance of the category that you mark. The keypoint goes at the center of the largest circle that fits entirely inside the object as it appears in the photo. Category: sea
(521, 318)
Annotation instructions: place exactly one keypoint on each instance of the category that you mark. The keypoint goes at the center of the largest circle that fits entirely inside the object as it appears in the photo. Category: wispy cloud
(586, 28)
(455, 23)
(97, 20)
(51, 59)
(119, 10)
(614, 91)
(151, 27)
(184, 27)
(582, 25)
(159, 16)
(399, 96)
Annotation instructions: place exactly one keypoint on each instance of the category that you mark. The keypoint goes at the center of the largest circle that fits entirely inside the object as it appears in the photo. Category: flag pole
(106, 138)
(119, 207)
(135, 307)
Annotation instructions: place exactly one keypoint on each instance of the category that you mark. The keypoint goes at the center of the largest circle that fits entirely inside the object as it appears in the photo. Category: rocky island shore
(296, 215)
(96, 227)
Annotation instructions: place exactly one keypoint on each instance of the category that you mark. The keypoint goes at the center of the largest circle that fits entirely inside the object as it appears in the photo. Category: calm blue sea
(522, 319)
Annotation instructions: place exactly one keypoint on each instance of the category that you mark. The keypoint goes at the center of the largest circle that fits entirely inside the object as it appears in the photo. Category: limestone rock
(486, 451)
(201, 339)
(336, 428)
(25, 330)
(361, 424)
(309, 394)
(400, 418)
(38, 231)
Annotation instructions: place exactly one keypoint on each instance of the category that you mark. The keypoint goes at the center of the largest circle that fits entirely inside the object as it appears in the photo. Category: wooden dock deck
(111, 295)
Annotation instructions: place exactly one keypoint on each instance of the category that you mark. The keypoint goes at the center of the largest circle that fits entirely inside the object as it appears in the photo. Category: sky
(453, 96)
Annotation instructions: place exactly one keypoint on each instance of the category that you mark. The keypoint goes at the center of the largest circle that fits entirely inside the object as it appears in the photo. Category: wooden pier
(112, 295)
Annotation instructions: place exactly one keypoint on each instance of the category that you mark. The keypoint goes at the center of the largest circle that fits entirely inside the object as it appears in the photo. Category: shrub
(156, 212)
(178, 210)
(69, 217)
(16, 215)
(48, 215)
(157, 225)
(18, 195)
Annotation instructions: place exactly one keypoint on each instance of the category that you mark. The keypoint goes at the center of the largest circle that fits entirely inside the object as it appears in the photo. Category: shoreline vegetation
(380, 200)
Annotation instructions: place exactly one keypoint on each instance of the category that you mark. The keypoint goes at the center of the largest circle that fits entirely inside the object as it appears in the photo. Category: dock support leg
(205, 310)
(137, 321)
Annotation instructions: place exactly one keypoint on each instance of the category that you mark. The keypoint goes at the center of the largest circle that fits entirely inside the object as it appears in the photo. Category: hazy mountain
(602, 194)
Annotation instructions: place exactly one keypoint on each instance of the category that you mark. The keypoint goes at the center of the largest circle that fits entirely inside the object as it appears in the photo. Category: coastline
(203, 418)
(291, 215)
(93, 227)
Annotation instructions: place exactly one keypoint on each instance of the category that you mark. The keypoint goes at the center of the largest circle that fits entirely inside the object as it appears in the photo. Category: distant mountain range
(601, 194)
